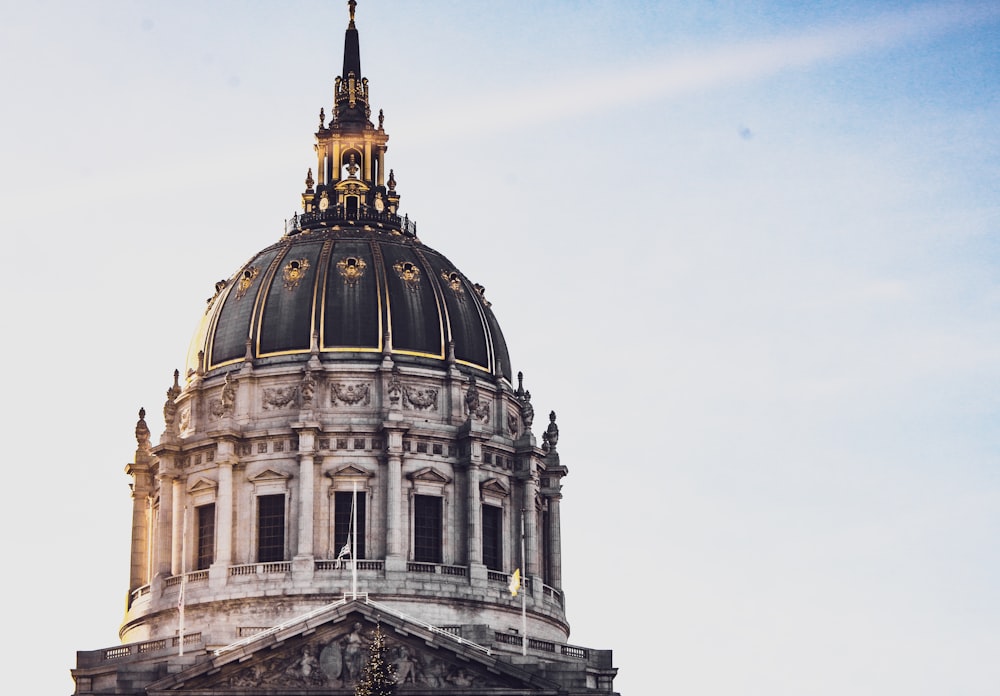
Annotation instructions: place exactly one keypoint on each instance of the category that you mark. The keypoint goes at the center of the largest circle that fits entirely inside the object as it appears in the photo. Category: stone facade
(365, 459)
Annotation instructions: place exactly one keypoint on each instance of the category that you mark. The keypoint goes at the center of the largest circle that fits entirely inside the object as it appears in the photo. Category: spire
(352, 46)
(349, 184)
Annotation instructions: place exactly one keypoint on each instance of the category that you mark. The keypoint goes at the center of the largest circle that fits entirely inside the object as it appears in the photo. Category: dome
(348, 289)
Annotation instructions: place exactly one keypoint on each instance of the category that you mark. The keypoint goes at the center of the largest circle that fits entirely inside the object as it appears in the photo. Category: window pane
(206, 536)
(271, 528)
(492, 537)
(342, 521)
(427, 529)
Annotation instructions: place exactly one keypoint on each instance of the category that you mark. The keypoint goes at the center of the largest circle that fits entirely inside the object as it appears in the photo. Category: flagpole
(180, 598)
(354, 542)
(524, 615)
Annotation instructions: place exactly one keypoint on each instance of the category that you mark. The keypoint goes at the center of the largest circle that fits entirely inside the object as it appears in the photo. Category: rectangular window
(493, 537)
(206, 536)
(427, 529)
(546, 549)
(270, 528)
(342, 532)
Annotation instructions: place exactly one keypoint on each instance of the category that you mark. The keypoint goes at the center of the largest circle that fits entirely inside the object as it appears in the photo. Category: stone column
(164, 526)
(530, 523)
(393, 507)
(224, 515)
(176, 530)
(555, 542)
(306, 500)
(475, 518)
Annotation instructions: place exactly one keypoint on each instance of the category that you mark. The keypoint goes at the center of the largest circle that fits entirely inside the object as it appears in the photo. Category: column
(394, 506)
(530, 523)
(555, 542)
(224, 515)
(475, 517)
(176, 529)
(164, 526)
(306, 501)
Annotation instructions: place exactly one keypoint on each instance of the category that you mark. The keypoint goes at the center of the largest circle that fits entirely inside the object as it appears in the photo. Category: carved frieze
(276, 398)
(351, 269)
(350, 394)
(420, 399)
(338, 662)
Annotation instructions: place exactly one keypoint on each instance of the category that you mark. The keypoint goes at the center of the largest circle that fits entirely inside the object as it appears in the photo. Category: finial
(552, 432)
(392, 181)
(520, 383)
(322, 118)
(309, 180)
(142, 431)
(381, 119)
(352, 4)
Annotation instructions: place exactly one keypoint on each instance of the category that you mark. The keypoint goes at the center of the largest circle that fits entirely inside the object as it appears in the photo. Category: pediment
(326, 654)
(429, 475)
(268, 476)
(201, 485)
(494, 486)
(351, 471)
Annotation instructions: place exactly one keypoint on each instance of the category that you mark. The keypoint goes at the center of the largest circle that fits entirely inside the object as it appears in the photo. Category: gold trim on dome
(454, 281)
(293, 273)
(408, 273)
(245, 281)
(351, 268)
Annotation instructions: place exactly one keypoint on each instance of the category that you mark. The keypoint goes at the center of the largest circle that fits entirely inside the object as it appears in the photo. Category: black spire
(352, 47)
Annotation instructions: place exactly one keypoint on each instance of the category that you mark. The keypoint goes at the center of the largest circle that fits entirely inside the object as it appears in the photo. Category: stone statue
(228, 396)
(527, 411)
(354, 646)
(307, 388)
(142, 431)
(552, 432)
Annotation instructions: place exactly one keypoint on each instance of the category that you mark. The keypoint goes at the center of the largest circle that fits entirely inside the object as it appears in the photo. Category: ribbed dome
(350, 292)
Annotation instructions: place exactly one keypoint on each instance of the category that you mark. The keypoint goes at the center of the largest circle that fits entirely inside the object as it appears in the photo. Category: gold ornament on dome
(245, 281)
(293, 273)
(453, 280)
(351, 269)
(408, 273)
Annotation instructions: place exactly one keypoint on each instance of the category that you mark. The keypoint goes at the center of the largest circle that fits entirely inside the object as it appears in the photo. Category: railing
(339, 213)
(149, 646)
(552, 595)
(193, 576)
(418, 567)
(137, 593)
(261, 568)
(346, 565)
(543, 645)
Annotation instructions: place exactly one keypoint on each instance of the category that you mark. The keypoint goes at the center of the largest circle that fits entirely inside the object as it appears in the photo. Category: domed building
(346, 454)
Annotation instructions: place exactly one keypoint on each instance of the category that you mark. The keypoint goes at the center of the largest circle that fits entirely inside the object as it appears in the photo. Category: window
(493, 537)
(427, 529)
(206, 536)
(342, 532)
(270, 528)
(546, 547)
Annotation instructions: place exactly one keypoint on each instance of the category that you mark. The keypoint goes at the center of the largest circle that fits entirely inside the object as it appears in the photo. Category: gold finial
(352, 4)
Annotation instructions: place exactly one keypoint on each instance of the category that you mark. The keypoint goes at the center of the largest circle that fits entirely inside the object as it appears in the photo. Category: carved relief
(420, 399)
(351, 269)
(454, 282)
(512, 424)
(243, 284)
(307, 387)
(395, 388)
(408, 273)
(279, 397)
(475, 407)
(339, 663)
(350, 394)
(184, 421)
(224, 405)
(293, 273)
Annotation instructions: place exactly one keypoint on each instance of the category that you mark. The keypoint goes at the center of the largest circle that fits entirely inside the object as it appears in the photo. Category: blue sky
(747, 252)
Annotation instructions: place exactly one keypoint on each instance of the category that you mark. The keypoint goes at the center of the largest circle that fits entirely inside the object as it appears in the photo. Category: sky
(747, 251)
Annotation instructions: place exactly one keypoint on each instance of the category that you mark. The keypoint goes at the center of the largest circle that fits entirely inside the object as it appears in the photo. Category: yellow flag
(515, 582)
